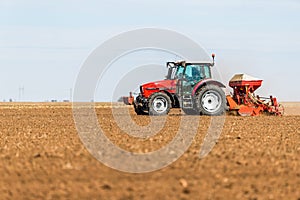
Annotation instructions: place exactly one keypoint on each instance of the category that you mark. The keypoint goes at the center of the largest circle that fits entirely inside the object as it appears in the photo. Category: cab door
(190, 78)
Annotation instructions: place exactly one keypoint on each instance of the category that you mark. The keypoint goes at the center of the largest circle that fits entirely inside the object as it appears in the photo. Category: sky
(43, 44)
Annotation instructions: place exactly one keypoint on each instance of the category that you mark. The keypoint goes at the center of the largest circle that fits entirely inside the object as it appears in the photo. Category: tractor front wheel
(211, 100)
(138, 110)
(159, 104)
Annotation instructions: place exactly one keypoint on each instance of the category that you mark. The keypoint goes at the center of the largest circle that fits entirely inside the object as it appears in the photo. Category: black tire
(211, 100)
(159, 104)
(138, 110)
(190, 111)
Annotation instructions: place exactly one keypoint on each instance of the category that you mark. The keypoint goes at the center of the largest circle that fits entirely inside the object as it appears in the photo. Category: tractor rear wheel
(211, 100)
(159, 104)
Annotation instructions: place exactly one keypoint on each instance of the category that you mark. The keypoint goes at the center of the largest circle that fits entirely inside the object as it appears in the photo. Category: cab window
(196, 73)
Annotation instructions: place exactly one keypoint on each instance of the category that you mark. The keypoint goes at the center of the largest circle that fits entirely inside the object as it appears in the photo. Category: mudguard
(206, 82)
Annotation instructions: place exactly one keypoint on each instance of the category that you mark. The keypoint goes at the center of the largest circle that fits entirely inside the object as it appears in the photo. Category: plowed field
(42, 157)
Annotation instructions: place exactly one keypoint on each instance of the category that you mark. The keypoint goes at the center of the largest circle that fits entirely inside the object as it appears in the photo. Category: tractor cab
(188, 75)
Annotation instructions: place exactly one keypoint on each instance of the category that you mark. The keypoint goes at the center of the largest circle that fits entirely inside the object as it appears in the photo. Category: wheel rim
(160, 104)
(211, 101)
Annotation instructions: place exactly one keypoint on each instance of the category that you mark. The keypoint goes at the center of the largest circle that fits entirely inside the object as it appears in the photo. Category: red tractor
(188, 85)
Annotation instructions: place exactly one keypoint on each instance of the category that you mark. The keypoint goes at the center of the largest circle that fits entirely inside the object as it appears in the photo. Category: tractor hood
(164, 85)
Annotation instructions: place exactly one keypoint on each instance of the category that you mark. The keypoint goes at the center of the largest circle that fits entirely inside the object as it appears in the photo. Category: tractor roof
(192, 62)
(195, 62)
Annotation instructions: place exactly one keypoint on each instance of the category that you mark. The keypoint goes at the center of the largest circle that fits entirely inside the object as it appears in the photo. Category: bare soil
(42, 157)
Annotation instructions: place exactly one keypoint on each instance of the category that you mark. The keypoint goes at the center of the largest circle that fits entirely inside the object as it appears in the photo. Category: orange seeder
(246, 103)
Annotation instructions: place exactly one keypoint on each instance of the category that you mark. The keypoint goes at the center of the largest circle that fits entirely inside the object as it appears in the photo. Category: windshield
(179, 72)
(175, 72)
